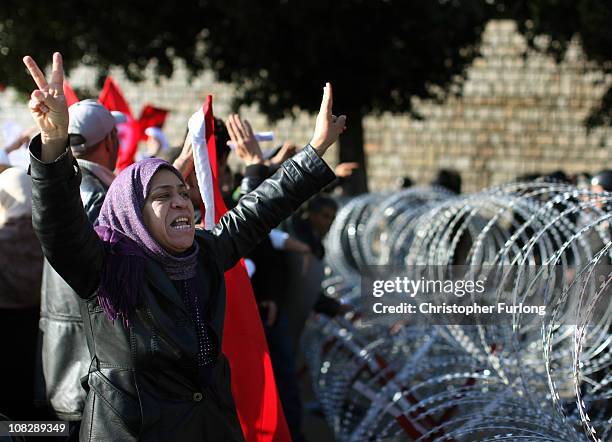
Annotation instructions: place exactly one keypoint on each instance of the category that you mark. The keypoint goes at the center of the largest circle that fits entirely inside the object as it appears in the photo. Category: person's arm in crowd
(300, 177)
(67, 238)
(23, 138)
(240, 229)
(184, 162)
(256, 171)
(343, 172)
(281, 240)
(249, 152)
(287, 150)
(295, 245)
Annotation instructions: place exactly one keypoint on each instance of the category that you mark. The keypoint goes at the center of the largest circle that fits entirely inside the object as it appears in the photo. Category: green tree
(378, 54)
(129, 34)
(564, 20)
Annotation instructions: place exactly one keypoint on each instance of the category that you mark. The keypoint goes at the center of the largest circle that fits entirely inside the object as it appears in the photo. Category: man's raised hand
(184, 162)
(328, 127)
(48, 107)
(242, 135)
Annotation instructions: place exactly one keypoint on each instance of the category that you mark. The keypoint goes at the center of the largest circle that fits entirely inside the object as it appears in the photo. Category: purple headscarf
(121, 227)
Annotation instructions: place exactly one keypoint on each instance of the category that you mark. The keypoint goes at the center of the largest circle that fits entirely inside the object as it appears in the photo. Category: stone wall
(517, 115)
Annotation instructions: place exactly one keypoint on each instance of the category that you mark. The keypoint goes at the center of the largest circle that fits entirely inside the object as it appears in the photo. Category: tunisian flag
(151, 116)
(244, 342)
(112, 98)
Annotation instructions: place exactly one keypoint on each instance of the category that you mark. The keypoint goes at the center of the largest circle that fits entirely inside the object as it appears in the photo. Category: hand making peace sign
(48, 106)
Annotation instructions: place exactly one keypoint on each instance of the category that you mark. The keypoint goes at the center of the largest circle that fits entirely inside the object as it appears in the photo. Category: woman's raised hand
(328, 127)
(48, 107)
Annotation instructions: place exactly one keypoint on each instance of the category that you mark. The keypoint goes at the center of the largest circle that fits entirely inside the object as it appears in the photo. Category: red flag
(244, 342)
(112, 98)
(151, 116)
(71, 97)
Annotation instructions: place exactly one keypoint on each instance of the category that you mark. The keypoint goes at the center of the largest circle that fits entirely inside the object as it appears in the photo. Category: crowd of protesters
(79, 241)
(71, 322)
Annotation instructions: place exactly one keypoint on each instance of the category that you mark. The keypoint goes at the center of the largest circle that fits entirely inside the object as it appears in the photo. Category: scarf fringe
(122, 276)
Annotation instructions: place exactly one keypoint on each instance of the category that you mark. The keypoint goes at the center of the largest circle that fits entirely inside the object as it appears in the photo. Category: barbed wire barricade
(546, 378)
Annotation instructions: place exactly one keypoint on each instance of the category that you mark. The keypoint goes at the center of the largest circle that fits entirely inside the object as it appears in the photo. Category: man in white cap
(65, 356)
(93, 139)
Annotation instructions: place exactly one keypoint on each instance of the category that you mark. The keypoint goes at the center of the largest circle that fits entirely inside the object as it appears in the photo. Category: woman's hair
(15, 194)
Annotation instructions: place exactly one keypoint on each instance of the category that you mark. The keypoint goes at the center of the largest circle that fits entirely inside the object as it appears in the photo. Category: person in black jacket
(64, 355)
(153, 287)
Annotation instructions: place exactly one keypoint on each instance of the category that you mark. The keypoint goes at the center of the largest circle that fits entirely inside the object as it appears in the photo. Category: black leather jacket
(64, 357)
(143, 381)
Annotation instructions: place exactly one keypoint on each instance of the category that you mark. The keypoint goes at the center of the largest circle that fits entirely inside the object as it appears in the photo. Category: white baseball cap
(91, 122)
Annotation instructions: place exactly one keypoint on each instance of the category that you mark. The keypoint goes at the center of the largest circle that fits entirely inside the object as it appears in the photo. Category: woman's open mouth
(181, 223)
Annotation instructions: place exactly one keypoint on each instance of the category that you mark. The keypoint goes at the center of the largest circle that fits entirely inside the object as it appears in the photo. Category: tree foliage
(378, 54)
(129, 34)
(278, 53)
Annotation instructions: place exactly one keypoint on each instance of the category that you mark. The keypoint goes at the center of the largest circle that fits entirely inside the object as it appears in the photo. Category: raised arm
(67, 238)
(49, 109)
(299, 178)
